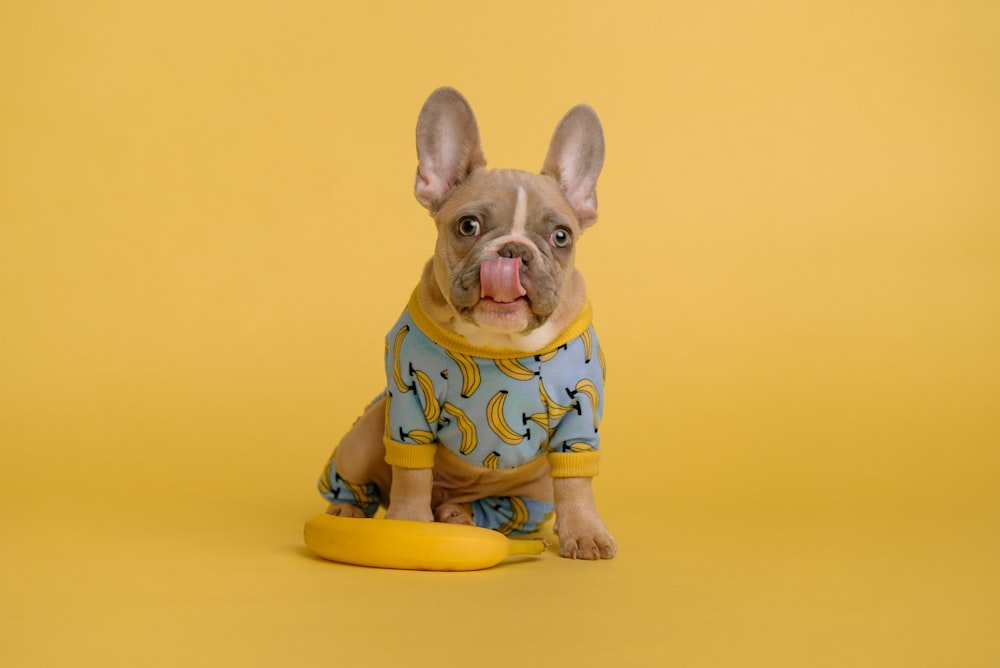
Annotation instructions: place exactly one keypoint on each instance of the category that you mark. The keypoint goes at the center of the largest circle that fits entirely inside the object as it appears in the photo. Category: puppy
(494, 376)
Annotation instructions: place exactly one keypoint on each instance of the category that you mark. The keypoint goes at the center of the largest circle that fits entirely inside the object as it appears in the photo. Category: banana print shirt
(494, 409)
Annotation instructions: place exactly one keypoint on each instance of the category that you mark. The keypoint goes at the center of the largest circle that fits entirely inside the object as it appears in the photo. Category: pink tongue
(501, 279)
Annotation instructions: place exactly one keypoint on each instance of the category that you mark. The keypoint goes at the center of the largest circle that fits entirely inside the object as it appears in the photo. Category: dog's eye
(468, 226)
(561, 237)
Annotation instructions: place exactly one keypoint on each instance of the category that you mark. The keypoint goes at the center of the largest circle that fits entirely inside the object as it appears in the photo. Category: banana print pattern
(397, 348)
(519, 518)
(335, 489)
(541, 419)
(516, 370)
(588, 346)
(493, 412)
(465, 426)
(324, 480)
(588, 389)
(419, 436)
(432, 407)
(555, 410)
(546, 357)
(471, 376)
(361, 493)
(498, 423)
(511, 515)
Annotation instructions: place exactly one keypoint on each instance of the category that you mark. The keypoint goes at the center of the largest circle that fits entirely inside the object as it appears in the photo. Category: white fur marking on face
(520, 213)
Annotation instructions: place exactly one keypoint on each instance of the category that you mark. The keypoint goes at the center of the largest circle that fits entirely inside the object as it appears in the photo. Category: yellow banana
(519, 518)
(420, 436)
(432, 407)
(588, 388)
(497, 421)
(405, 544)
(397, 373)
(556, 411)
(541, 419)
(515, 369)
(492, 460)
(581, 447)
(466, 426)
(471, 377)
(602, 362)
(588, 345)
(545, 357)
(359, 491)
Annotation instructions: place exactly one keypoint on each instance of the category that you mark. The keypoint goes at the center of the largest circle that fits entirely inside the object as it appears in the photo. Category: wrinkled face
(505, 249)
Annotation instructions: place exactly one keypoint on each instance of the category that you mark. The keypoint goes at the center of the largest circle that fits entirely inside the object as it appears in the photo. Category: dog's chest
(493, 413)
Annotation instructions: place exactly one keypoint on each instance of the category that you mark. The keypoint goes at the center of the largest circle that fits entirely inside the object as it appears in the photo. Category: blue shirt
(494, 409)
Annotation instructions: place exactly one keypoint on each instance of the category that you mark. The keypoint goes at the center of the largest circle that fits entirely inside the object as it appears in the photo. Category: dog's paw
(585, 539)
(345, 510)
(454, 513)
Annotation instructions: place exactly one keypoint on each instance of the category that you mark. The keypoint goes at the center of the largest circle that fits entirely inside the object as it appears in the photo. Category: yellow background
(207, 226)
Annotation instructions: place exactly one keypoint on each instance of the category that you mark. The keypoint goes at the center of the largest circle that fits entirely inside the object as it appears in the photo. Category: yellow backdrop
(207, 226)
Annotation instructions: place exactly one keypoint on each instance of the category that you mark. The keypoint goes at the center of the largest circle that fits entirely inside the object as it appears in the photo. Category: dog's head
(506, 238)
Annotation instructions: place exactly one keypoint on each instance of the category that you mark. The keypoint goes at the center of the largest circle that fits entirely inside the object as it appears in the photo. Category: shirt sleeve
(410, 436)
(577, 392)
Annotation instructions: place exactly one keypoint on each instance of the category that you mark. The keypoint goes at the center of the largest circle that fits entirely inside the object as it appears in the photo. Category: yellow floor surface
(207, 226)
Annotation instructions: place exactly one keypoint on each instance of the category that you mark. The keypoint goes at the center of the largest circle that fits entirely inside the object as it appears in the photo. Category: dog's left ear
(448, 146)
(575, 158)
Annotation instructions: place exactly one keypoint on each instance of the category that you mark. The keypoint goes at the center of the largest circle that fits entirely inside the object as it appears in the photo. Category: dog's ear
(575, 158)
(448, 146)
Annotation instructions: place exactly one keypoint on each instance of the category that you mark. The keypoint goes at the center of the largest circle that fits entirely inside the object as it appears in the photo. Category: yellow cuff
(409, 455)
(574, 464)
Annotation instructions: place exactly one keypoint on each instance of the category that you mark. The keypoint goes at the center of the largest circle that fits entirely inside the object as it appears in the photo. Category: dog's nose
(514, 249)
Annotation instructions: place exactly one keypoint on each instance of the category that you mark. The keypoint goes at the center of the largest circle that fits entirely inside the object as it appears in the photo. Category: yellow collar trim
(458, 344)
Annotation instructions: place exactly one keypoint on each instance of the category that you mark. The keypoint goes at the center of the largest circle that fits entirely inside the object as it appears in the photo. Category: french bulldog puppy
(494, 376)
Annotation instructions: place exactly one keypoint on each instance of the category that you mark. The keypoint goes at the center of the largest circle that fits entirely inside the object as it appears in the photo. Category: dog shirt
(493, 408)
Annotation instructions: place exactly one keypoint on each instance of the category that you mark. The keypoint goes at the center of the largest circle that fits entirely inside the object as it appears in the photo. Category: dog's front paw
(585, 538)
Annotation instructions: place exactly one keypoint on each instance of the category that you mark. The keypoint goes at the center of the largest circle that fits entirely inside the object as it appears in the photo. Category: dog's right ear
(575, 158)
(448, 146)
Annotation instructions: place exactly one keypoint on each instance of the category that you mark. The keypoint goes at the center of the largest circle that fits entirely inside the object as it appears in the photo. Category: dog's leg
(357, 478)
(410, 498)
(582, 533)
